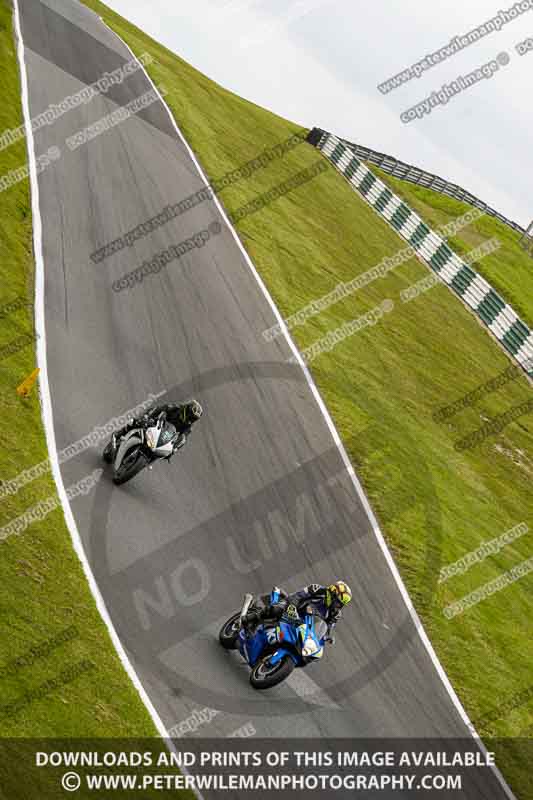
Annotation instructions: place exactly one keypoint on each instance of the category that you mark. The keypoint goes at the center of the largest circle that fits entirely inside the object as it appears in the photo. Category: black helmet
(194, 411)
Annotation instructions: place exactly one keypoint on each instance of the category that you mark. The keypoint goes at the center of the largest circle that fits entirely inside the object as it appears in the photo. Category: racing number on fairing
(272, 636)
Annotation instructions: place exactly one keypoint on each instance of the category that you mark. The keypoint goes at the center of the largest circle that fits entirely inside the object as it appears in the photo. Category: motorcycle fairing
(164, 438)
(128, 441)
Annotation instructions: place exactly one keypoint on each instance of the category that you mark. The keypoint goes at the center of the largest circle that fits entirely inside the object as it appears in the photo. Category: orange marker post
(27, 384)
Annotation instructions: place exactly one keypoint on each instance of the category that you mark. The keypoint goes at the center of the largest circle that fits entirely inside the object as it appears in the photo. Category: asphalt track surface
(260, 495)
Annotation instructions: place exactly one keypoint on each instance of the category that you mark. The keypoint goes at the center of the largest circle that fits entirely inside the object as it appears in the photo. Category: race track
(260, 495)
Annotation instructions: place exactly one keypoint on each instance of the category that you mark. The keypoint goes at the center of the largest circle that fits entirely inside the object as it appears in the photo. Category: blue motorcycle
(274, 648)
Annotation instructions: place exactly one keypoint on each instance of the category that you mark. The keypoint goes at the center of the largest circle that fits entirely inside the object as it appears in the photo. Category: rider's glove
(180, 441)
(275, 610)
(252, 617)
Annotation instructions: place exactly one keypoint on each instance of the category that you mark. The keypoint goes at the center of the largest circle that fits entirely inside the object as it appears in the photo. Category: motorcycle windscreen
(165, 442)
(167, 435)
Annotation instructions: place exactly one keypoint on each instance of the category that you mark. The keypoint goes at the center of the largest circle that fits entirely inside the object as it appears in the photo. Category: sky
(319, 63)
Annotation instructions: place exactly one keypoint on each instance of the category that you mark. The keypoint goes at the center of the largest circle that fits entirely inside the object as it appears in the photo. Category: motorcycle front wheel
(229, 632)
(265, 675)
(131, 465)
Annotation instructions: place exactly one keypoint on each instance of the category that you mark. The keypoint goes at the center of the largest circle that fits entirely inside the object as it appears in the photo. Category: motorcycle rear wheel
(264, 676)
(229, 632)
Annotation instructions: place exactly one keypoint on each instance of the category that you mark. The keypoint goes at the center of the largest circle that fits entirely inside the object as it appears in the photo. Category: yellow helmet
(340, 592)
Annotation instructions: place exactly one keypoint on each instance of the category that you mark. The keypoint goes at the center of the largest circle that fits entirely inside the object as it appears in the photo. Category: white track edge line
(336, 438)
(46, 404)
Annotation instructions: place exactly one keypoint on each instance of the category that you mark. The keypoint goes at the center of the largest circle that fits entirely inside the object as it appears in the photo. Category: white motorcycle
(141, 446)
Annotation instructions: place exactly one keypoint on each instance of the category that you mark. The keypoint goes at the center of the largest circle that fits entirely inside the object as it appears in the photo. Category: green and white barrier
(472, 288)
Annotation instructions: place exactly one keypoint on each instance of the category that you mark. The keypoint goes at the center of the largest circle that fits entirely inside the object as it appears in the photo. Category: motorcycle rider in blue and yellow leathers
(327, 602)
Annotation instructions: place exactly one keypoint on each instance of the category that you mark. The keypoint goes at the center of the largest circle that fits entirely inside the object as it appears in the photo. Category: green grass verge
(423, 354)
(509, 270)
(45, 602)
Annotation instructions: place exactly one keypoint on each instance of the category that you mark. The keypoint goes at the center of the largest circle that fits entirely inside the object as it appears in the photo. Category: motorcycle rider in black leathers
(326, 601)
(182, 416)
